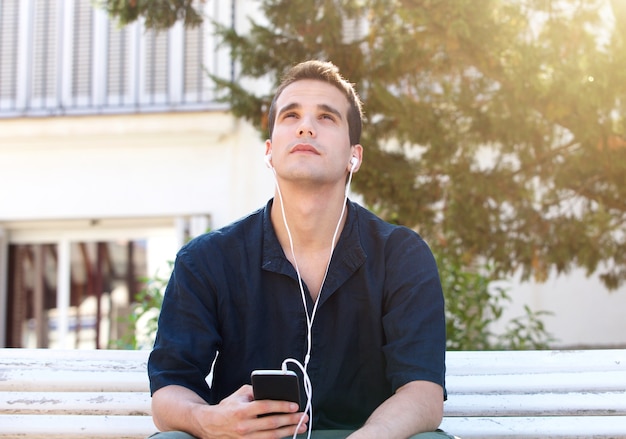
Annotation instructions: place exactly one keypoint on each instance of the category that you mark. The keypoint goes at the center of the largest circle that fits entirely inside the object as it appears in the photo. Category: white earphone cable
(308, 388)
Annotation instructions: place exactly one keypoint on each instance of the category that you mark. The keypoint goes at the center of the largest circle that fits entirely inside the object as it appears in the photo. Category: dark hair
(329, 73)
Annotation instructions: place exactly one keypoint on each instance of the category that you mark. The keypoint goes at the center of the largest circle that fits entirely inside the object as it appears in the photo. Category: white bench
(517, 394)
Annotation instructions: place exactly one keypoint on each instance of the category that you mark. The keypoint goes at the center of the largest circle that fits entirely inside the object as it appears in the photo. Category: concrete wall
(584, 312)
(126, 166)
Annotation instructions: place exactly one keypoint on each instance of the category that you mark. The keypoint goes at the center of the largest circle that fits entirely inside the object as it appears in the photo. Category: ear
(356, 155)
(268, 154)
(268, 147)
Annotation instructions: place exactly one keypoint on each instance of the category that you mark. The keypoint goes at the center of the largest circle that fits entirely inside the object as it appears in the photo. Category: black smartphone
(277, 385)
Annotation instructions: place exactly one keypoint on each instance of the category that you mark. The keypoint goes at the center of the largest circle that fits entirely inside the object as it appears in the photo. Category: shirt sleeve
(187, 339)
(414, 318)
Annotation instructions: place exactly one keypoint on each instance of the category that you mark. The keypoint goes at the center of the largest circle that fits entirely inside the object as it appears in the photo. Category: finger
(290, 430)
(264, 407)
(245, 393)
(274, 426)
(283, 423)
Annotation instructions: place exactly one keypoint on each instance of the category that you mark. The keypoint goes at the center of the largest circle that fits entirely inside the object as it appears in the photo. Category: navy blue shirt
(379, 324)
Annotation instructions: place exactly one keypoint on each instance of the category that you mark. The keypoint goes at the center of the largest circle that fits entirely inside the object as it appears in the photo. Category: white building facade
(113, 152)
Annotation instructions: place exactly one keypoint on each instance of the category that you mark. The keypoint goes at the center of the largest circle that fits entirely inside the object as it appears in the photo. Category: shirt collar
(348, 256)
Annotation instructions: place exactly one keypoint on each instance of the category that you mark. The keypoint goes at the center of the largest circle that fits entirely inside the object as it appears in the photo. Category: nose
(305, 129)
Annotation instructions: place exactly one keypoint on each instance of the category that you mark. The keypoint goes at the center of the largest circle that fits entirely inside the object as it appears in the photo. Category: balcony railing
(61, 57)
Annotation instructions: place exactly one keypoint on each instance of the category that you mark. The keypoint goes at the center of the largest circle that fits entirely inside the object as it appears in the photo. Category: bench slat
(41, 380)
(83, 403)
(73, 356)
(53, 380)
(564, 382)
(68, 360)
(571, 427)
(136, 427)
(131, 403)
(544, 404)
(128, 403)
(462, 363)
(76, 426)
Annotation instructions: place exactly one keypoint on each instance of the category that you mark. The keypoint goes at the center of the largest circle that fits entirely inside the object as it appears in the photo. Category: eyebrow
(324, 107)
(331, 110)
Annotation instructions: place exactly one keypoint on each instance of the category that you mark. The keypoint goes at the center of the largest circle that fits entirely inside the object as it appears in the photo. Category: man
(311, 277)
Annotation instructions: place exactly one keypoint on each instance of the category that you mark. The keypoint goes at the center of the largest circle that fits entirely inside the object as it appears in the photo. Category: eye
(328, 116)
(290, 115)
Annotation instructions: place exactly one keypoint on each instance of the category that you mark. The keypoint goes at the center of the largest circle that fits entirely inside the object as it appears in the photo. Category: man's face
(311, 138)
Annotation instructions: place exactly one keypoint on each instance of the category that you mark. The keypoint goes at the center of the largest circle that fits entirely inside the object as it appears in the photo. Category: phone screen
(277, 385)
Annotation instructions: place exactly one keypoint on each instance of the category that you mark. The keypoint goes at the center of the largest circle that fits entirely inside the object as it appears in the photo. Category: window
(8, 53)
(104, 277)
(44, 55)
(82, 53)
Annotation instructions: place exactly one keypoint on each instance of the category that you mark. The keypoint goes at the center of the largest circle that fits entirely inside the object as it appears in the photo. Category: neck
(312, 218)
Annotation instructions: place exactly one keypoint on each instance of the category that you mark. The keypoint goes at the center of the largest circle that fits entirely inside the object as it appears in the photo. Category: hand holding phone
(277, 385)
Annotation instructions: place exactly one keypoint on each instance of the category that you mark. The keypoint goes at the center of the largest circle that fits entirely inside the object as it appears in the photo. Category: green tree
(494, 127)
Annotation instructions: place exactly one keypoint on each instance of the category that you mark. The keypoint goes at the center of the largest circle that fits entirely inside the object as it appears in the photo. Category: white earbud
(353, 161)
(268, 160)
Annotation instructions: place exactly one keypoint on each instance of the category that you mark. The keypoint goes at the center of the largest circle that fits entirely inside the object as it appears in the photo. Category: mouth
(304, 147)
